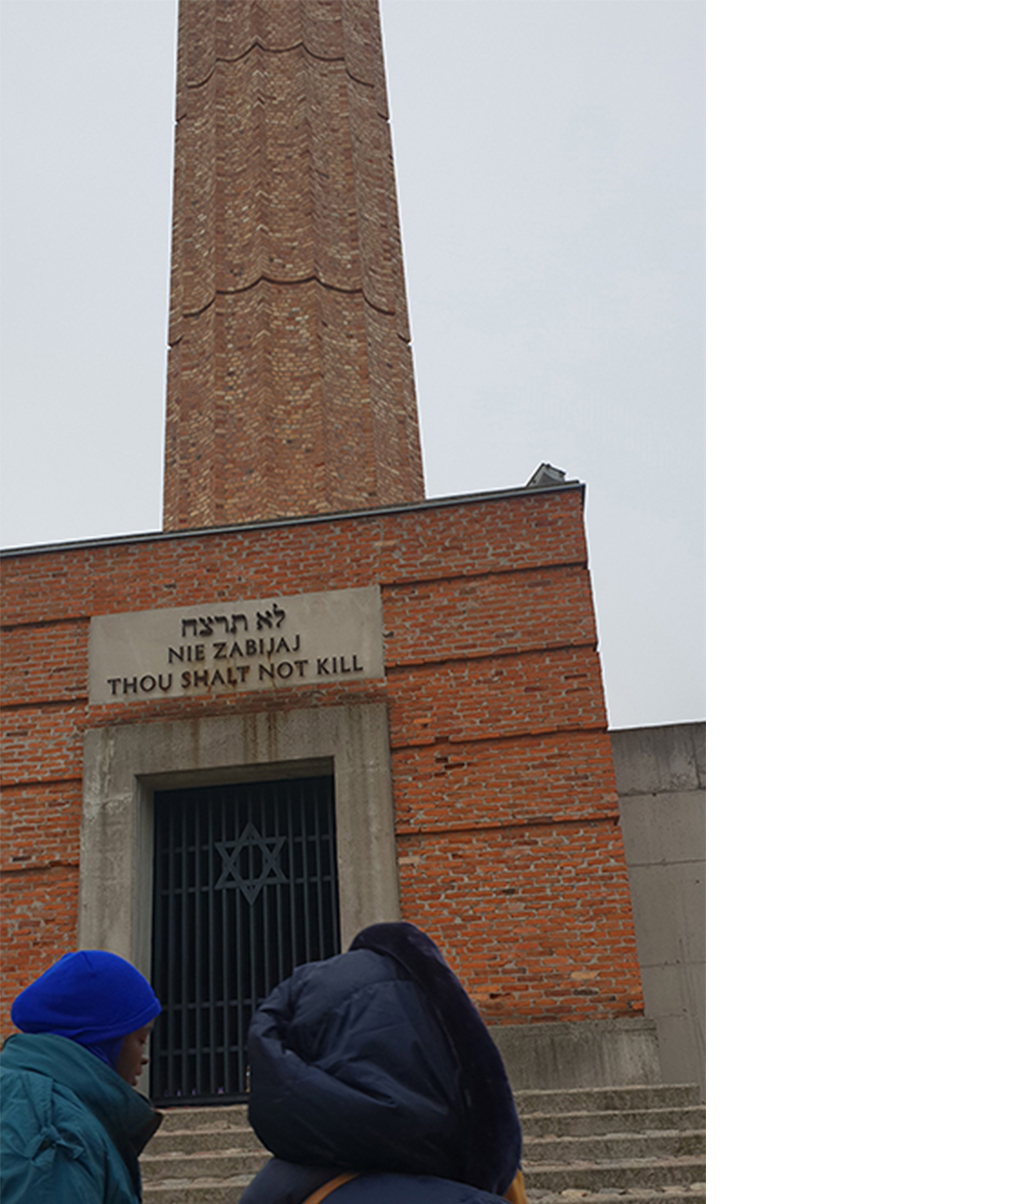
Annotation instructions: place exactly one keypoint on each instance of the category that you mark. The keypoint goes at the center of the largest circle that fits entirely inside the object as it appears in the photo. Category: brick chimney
(290, 388)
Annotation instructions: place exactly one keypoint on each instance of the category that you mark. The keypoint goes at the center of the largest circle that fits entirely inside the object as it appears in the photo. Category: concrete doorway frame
(125, 764)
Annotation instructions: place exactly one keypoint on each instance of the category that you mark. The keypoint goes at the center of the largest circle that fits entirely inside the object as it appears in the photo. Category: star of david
(230, 851)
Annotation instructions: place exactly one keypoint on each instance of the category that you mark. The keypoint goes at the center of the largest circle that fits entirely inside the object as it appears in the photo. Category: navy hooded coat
(376, 1061)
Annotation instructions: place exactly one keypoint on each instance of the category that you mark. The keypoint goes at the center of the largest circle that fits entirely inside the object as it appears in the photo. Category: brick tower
(290, 388)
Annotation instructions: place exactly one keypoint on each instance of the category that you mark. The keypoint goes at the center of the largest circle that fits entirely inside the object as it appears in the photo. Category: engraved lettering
(238, 642)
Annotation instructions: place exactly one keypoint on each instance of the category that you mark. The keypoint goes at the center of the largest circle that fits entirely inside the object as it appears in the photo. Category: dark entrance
(244, 890)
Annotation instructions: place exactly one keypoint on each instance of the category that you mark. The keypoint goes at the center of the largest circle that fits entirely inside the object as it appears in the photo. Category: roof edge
(459, 499)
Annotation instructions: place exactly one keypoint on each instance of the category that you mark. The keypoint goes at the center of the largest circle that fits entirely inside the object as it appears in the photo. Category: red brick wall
(510, 853)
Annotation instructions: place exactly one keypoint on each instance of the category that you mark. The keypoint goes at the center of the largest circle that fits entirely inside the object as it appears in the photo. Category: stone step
(541, 1154)
(608, 1099)
(581, 1124)
(599, 1176)
(552, 1163)
(210, 1116)
(573, 1099)
(208, 1164)
(605, 1148)
(195, 1141)
(198, 1191)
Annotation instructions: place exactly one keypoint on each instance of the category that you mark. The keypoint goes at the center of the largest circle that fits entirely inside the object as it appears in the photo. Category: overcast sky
(550, 169)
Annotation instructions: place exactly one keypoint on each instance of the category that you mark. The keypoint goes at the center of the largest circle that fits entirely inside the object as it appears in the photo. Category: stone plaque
(225, 647)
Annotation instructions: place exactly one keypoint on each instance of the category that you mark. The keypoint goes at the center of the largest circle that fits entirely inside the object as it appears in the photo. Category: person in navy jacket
(374, 1081)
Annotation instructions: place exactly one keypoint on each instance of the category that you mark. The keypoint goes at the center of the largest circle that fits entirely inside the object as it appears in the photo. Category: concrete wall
(605, 1053)
(661, 779)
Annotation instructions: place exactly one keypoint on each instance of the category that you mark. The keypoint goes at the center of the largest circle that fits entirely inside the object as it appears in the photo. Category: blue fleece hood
(91, 997)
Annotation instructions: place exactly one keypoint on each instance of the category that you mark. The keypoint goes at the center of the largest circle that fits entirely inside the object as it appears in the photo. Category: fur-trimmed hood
(377, 1060)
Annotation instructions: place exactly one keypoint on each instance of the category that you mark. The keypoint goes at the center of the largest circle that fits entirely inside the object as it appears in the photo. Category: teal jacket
(71, 1128)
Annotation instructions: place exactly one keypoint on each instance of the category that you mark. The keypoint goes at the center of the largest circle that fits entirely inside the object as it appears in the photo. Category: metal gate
(244, 890)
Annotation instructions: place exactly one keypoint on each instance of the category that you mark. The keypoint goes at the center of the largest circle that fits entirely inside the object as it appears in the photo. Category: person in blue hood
(374, 1081)
(72, 1125)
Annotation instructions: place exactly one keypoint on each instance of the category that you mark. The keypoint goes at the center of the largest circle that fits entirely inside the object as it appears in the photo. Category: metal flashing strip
(107, 541)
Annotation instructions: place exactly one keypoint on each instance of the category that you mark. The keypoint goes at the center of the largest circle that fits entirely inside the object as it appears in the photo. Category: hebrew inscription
(311, 639)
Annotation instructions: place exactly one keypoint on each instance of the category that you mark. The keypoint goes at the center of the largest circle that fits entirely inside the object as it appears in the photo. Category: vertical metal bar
(308, 955)
(222, 900)
(196, 945)
(334, 873)
(334, 867)
(249, 1001)
(172, 977)
(208, 991)
(277, 973)
(237, 898)
(157, 939)
(263, 901)
(295, 869)
(326, 814)
(216, 985)
(210, 943)
(315, 819)
(187, 926)
(166, 897)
